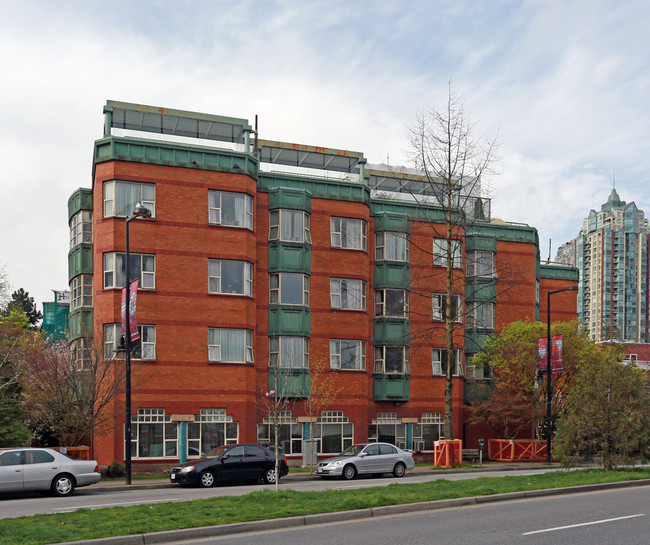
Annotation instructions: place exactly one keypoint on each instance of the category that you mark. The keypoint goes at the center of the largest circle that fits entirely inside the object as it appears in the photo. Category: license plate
(173, 477)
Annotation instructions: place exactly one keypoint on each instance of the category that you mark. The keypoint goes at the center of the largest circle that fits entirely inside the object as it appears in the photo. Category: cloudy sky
(566, 85)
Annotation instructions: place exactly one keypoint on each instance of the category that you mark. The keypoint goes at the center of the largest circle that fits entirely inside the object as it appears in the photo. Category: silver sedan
(367, 458)
(23, 469)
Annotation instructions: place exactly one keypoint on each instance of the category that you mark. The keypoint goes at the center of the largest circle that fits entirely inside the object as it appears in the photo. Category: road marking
(102, 505)
(583, 524)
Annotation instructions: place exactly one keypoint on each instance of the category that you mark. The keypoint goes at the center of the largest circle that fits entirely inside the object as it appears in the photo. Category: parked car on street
(367, 458)
(23, 469)
(230, 463)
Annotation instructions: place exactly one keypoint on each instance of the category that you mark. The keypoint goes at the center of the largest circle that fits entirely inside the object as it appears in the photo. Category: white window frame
(147, 200)
(114, 267)
(339, 288)
(81, 291)
(380, 360)
(472, 315)
(440, 253)
(290, 436)
(215, 277)
(218, 216)
(340, 239)
(277, 232)
(339, 346)
(81, 228)
(381, 295)
(387, 244)
(151, 416)
(216, 341)
(211, 418)
(82, 354)
(481, 263)
(439, 302)
(439, 362)
(280, 350)
(333, 420)
(145, 345)
(277, 291)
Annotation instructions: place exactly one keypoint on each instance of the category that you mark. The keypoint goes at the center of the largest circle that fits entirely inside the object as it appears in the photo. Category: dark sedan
(230, 463)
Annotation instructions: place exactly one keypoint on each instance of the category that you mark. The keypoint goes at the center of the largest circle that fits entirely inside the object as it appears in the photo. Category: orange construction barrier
(517, 450)
(448, 453)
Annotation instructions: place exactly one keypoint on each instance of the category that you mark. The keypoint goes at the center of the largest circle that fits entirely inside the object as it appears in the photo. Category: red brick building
(265, 260)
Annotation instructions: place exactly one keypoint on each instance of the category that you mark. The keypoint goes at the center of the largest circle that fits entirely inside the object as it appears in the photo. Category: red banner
(133, 322)
(557, 363)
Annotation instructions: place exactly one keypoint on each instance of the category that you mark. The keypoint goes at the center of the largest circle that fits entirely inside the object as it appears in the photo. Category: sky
(565, 85)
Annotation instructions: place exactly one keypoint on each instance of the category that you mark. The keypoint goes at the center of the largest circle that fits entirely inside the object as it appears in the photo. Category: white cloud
(566, 85)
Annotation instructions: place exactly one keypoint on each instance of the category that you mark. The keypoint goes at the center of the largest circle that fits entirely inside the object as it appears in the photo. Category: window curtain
(351, 234)
(292, 226)
(126, 195)
(232, 345)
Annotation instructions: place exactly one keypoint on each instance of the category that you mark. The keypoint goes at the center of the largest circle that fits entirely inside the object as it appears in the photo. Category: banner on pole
(133, 322)
(557, 362)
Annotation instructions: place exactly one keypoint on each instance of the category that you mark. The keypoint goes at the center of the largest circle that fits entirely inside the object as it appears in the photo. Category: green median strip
(266, 504)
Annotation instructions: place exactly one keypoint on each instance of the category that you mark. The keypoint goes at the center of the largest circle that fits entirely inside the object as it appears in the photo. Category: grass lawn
(88, 524)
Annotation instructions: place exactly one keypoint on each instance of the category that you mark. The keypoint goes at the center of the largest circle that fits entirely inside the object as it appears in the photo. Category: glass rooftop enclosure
(136, 121)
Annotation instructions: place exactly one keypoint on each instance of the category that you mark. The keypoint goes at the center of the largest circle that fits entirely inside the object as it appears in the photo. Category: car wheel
(349, 472)
(63, 485)
(206, 479)
(399, 470)
(269, 475)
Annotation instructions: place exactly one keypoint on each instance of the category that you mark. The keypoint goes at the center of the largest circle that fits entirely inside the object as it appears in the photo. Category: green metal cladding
(318, 189)
(475, 340)
(289, 382)
(480, 243)
(391, 221)
(480, 289)
(80, 260)
(81, 199)
(172, 154)
(289, 320)
(80, 323)
(391, 331)
(289, 257)
(557, 272)
(289, 198)
(390, 387)
(392, 274)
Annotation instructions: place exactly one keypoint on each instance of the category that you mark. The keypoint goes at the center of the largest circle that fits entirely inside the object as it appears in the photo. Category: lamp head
(141, 211)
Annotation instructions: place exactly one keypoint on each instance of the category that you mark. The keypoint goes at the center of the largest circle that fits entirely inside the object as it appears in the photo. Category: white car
(23, 469)
(367, 458)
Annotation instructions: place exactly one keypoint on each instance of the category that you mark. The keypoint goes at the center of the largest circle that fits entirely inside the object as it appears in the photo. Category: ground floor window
(153, 435)
(387, 428)
(334, 432)
(210, 429)
(429, 429)
(289, 433)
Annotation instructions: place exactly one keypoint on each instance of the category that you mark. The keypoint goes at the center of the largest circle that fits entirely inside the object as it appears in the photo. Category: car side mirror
(363, 454)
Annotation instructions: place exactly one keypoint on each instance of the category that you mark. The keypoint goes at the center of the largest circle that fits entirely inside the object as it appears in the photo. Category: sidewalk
(119, 484)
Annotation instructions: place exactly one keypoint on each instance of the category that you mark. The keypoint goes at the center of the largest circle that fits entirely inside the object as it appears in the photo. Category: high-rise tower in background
(611, 254)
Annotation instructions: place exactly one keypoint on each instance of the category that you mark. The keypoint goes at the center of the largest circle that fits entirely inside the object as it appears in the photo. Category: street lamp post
(138, 212)
(549, 393)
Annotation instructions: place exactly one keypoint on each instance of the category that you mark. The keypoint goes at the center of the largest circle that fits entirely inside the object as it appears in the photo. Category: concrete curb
(342, 516)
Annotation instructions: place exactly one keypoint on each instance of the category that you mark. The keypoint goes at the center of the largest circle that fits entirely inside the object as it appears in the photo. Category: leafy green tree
(21, 301)
(607, 413)
(517, 403)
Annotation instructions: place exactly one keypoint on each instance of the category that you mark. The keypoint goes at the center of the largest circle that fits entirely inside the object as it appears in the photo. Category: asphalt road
(616, 517)
(95, 497)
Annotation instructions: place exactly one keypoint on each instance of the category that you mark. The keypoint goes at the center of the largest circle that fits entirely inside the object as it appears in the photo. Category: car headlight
(187, 469)
(337, 463)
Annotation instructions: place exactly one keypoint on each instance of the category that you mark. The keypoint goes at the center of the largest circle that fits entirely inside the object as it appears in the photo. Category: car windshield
(354, 450)
(215, 453)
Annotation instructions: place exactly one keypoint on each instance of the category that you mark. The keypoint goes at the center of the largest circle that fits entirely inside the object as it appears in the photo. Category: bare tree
(323, 392)
(452, 162)
(5, 286)
(71, 391)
